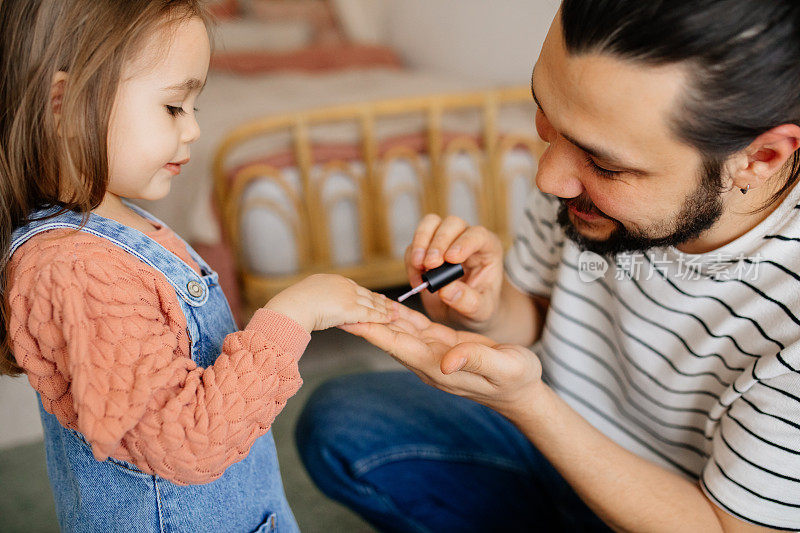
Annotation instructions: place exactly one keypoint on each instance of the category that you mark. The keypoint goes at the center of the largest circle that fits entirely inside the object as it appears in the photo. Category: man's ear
(766, 156)
(57, 89)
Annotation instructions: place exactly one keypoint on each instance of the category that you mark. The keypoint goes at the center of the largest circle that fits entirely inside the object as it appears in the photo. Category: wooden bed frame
(307, 213)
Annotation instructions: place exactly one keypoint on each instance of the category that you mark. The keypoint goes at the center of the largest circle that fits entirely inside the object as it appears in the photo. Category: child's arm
(107, 350)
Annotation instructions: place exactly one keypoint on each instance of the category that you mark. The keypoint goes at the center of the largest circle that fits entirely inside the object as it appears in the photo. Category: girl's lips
(588, 217)
(174, 168)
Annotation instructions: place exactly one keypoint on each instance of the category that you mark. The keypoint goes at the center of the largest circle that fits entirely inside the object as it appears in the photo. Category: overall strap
(199, 260)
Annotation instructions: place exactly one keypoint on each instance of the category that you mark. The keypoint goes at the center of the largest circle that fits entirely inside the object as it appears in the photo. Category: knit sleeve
(92, 332)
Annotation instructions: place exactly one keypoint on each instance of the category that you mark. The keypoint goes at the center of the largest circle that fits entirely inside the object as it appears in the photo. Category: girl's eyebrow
(191, 84)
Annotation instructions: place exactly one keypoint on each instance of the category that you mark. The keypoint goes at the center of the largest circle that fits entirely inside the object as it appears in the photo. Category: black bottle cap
(443, 275)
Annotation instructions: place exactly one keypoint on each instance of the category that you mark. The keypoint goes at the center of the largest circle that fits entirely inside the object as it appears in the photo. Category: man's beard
(700, 211)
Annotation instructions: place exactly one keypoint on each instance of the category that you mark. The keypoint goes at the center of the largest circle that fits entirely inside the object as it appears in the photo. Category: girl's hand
(501, 376)
(322, 301)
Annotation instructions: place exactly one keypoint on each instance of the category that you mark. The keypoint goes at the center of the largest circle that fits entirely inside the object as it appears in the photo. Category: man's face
(626, 181)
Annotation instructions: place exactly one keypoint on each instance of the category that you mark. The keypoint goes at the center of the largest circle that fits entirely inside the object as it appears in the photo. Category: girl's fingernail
(417, 256)
(455, 296)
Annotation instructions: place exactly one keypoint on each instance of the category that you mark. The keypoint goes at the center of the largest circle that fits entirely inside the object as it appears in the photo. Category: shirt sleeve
(754, 469)
(96, 334)
(532, 261)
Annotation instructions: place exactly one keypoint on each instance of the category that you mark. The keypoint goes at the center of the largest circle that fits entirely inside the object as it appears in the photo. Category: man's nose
(559, 170)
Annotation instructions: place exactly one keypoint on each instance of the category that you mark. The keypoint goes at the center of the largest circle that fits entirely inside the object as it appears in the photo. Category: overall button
(195, 288)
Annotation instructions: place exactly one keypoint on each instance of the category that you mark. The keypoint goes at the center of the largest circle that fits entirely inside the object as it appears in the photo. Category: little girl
(156, 410)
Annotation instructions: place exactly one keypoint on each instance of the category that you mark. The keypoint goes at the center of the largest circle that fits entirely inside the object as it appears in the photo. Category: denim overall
(115, 495)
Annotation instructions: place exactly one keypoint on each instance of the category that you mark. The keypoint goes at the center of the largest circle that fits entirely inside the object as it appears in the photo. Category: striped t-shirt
(689, 360)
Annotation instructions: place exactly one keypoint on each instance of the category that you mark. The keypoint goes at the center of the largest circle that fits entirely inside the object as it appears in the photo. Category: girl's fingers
(400, 325)
(363, 291)
(374, 300)
(416, 318)
(392, 308)
(370, 314)
(378, 304)
(367, 301)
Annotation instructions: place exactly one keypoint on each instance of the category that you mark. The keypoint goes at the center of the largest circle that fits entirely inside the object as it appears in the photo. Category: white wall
(491, 40)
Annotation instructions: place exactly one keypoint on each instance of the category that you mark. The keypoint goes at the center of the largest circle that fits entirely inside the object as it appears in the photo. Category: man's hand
(459, 362)
(473, 301)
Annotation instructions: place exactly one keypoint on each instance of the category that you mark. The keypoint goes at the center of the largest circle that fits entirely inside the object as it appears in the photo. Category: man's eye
(611, 174)
(175, 111)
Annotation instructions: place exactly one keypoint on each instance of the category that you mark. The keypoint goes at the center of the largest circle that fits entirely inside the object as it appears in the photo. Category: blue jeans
(408, 457)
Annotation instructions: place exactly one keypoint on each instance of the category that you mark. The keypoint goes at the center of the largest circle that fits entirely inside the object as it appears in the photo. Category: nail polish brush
(436, 278)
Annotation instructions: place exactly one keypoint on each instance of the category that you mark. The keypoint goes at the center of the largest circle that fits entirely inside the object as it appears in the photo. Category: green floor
(26, 503)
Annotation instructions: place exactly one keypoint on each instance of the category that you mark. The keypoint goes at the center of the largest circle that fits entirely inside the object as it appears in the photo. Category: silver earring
(744, 191)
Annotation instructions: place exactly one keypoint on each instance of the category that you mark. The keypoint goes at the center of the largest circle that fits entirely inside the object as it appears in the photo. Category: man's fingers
(413, 271)
(471, 357)
(422, 238)
(473, 240)
(461, 297)
(447, 232)
(378, 334)
(469, 336)
(496, 364)
(404, 347)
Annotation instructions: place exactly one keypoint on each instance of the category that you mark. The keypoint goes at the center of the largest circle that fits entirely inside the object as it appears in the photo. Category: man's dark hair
(743, 57)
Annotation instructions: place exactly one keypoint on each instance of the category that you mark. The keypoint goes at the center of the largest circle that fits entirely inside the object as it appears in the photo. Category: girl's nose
(191, 131)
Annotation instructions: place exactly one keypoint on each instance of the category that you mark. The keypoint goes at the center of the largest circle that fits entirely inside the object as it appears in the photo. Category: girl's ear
(57, 90)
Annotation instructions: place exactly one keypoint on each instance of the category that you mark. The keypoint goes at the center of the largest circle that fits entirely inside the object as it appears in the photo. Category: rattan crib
(305, 208)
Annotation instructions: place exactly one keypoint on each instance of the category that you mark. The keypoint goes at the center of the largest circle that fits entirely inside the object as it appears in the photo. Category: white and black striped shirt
(691, 361)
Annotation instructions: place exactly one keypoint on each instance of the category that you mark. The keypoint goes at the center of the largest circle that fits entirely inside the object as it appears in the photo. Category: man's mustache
(583, 204)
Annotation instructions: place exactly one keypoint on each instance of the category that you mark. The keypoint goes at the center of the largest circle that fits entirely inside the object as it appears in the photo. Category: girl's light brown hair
(46, 161)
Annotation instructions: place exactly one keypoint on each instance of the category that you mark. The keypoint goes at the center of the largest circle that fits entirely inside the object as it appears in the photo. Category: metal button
(195, 288)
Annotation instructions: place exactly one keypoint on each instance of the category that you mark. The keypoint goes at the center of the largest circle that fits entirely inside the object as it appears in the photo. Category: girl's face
(153, 118)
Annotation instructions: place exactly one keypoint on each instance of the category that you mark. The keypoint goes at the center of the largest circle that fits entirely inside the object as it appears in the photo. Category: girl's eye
(604, 172)
(178, 111)
(175, 111)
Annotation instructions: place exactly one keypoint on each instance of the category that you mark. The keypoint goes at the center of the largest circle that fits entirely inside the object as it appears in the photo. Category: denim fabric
(410, 458)
(115, 495)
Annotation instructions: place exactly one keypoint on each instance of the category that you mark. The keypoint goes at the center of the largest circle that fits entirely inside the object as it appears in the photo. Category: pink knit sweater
(103, 339)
